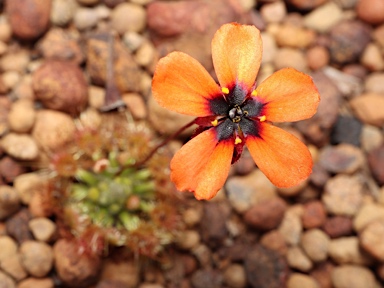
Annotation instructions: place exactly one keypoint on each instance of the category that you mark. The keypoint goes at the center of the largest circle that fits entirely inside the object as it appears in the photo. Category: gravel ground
(56, 60)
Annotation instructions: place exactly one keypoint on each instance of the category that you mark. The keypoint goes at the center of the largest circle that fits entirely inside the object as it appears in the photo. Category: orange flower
(235, 113)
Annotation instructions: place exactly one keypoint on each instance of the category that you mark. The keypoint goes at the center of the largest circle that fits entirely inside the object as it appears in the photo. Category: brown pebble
(370, 11)
(17, 226)
(36, 283)
(14, 267)
(10, 169)
(314, 215)
(9, 201)
(317, 57)
(322, 274)
(28, 18)
(274, 240)
(338, 226)
(37, 258)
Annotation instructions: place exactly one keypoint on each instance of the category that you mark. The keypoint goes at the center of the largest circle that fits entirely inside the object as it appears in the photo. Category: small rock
(324, 17)
(374, 83)
(13, 267)
(265, 268)
(372, 58)
(192, 216)
(306, 4)
(273, 12)
(124, 272)
(322, 274)
(245, 191)
(314, 215)
(15, 61)
(20, 146)
(269, 47)
(352, 276)
(206, 278)
(53, 129)
(295, 37)
(347, 130)
(22, 116)
(298, 260)
(343, 158)
(10, 79)
(203, 254)
(10, 169)
(348, 40)
(245, 165)
(338, 226)
(145, 54)
(371, 138)
(375, 160)
(188, 239)
(134, 23)
(85, 18)
(8, 248)
(371, 11)
(290, 57)
(9, 201)
(5, 31)
(61, 85)
(17, 226)
(43, 229)
(27, 185)
(371, 239)
(234, 276)
(133, 40)
(301, 280)
(135, 104)
(346, 250)
(6, 281)
(315, 244)
(369, 108)
(29, 19)
(343, 195)
(62, 11)
(266, 215)
(291, 226)
(319, 175)
(36, 283)
(378, 35)
(274, 240)
(76, 269)
(36, 257)
(317, 57)
(368, 213)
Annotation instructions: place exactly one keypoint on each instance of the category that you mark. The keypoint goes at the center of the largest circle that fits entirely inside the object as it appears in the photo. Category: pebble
(314, 215)
(27, 184)
(53, 129)
(371, 11)
(36, 257)
(15, 61)
(22, 116)
(13, 267)
(306, 4)
(43, 229)
(124, 272)
(36, 283)
(234, 276)
(348, 40)
(135, 22)
(133, 40)
(338, 226)
(10, 168)
(368, 213)
(8, 248)
(291, 227)
(319, 176)
(85, 18)
(273, 12)
(264, 268)
(135, 104)
(245, 191)
(9, 201)
(298, 260)
(188, 239)
(374, 83)
(266, 215)
(88, 2)
(369, 108)
(347, 130)
(10, 79)
(343, 195)
(6, 281)
(289, 35)
(322, 274)
(372, 58)
(371, 239)
(275, 241)
(145, 54)
(29, 19)
(290, 57)
(62, 11)
(5, 30)
(20, 146)
(96, 96)
(347, 250)
(17, 226)
(315, 244)
(343, 158)
(203, 254)
(301, 280)
(323, 18)
(378, 35)
(61, 85)
(317, 57)
(269, 47)
(206, 278)
(352, 276)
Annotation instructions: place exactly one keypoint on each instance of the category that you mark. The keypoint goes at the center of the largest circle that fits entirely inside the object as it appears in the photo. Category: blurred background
(78, 208)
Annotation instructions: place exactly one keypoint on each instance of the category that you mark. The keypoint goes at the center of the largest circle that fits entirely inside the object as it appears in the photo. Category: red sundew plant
(235, 113)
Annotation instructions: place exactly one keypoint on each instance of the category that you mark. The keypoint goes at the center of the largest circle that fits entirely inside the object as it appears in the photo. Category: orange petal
(236, 53)
(202, 165)
(283, 158)
(290, 96)
(183, 85)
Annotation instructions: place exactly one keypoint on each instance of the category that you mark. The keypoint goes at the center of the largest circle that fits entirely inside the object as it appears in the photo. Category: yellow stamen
(262, 118)
(254, 93)
(215, 122)
(225, 90)
(238, 140)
